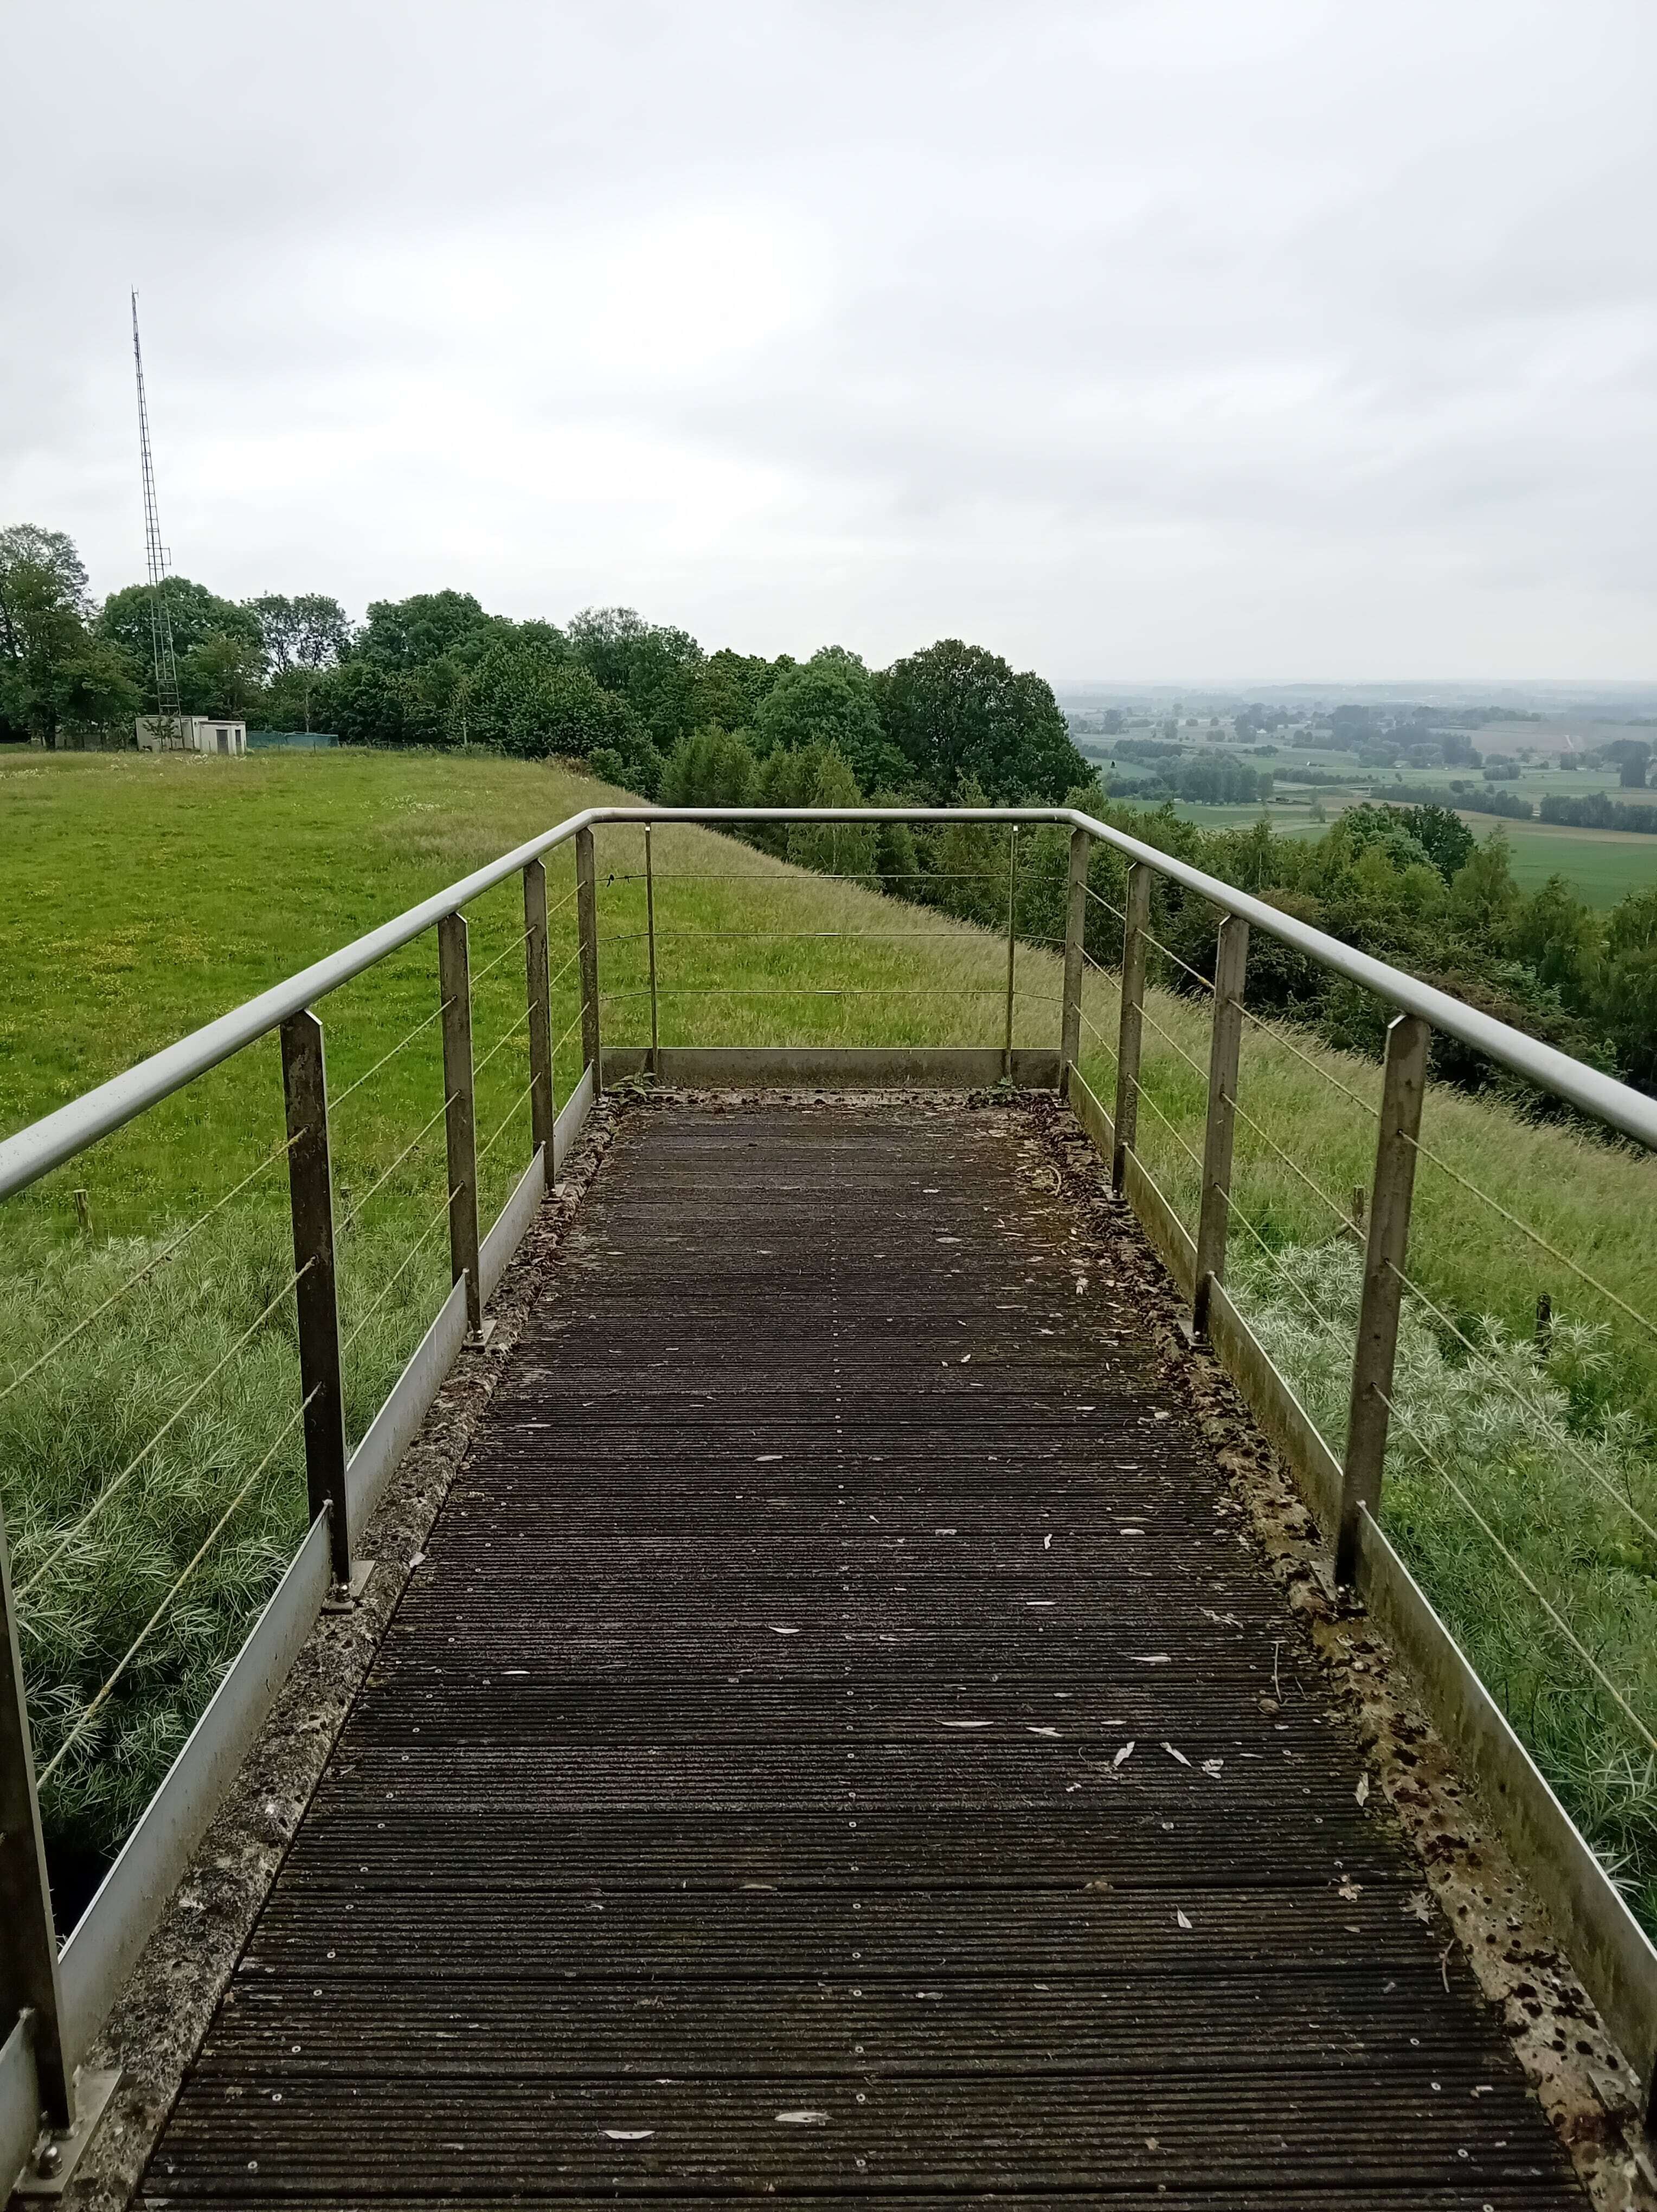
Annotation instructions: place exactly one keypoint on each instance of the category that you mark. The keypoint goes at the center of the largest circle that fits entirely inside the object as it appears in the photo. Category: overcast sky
(1179, 338)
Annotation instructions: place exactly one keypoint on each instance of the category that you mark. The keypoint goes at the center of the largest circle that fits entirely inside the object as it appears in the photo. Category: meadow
(146, 895)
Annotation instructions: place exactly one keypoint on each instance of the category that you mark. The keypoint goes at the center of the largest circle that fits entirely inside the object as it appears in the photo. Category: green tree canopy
(309, 631)
(404, 634)
(830, 701)
(56, 679)
(194, 612)
(652, 667)
(959, 714)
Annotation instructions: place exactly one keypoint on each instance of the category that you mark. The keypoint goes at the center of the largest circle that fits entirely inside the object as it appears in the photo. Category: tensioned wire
(1293, 1167)
(339, 1097)
(1196, 1068)
(399, 1271)
(380, 1181)
(1275, 1032)
(172, 1421)
(1535, 1236)
(804, 936)
(1520, 1399)
(1100, 900)
(511, 1115)
(150, 1266)
(143, 1634)
(1148, 1100)
(1517, 1565)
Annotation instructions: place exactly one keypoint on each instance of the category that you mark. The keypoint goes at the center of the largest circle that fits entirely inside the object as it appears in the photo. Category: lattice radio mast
(169, 713)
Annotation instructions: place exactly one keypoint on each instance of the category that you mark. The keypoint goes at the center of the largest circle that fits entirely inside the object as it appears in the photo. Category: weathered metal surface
(587, 926)
(1274, 1405)
(543, 1108)
(838, 1067)
(459, 1110)
(1130, 1025)
(572, 1118)
(507, 1232)
(1213, 1215)
(135, 1893)
(28, 1942)
(321, 1381)
(396, 1424)
(1075, 922)
(742, 1804)
(19, 2102)
(1606, 1944)
(1370, 1413)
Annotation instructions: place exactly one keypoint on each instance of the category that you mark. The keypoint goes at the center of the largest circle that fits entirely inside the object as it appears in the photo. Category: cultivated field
(145, 896)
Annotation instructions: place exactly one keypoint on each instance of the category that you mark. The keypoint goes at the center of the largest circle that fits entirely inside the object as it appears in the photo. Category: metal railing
(52, 2001)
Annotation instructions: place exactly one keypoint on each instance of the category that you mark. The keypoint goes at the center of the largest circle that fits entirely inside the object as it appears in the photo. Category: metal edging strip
(510, 1224)
(394, 1427)
(20, 2105)
(571, 1115)
(135, 1891)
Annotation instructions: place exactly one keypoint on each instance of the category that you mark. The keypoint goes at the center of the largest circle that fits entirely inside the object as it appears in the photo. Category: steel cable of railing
(338, 1097)
(150, 1266)
(1279, 1037)
(1098, 899)
(110, 1489)
(1196, 974)
(1518, 1567)
(1535, 1237)
(385, 1174)
(500, 1044)
(553, 981)
(1172, 1043)
(1519, 1398)
(143, 1634)
(827, 991)
(1146, 1099)
(1294, 1168)
(511, 1115)
(1299, 1289)
(814, 876)
(801, 936)
(399, 1271)
(1088, 1023)
(490, 966)
(560, 1043)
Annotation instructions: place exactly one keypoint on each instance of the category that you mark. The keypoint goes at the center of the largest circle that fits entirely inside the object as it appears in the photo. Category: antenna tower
(168, 711)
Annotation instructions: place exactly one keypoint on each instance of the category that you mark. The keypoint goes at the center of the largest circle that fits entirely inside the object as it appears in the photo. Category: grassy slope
(150, 894)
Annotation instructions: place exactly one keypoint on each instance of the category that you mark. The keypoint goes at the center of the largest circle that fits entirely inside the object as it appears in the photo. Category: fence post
(310, 1188)
(651, 939)
(542, 1106)
(1076, 931)
(1137, 920)
(460, 1112)
(1230, 970)
(1012, 947)
(28, 1940)
(1402, 1093)
(586, 916)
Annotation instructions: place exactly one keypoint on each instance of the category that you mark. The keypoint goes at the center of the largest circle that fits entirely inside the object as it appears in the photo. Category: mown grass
(150, 894)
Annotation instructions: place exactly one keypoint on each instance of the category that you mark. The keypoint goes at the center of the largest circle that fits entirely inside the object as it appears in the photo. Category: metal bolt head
(47, 2160)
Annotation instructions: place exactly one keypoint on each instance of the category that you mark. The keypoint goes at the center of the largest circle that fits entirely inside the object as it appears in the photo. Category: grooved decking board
(740, 1806)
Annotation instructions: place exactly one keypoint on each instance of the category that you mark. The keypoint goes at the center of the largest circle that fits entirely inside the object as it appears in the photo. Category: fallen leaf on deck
(1180, 1755)
(1126, 1752)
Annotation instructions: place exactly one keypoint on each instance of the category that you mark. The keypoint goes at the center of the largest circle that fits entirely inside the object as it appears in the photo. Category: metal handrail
(32, 1152)
(341, 1491)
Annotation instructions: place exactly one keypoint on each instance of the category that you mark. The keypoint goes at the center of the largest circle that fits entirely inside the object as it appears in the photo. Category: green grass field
(147, 894)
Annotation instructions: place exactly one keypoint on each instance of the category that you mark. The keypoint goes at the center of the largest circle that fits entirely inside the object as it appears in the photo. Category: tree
(220, 675)
(710, 768)
(1443, 836)
(1558, 937)
(1626, 1000)
(653, 668)
(302, 637)
(370, 704)
(727, 687)
(831, 701)
(958, 715)
(195, 613)
(1632, 757)
(56, 679)
(405, 634)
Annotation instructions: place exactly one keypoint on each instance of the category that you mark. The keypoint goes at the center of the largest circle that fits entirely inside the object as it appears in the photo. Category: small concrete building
(191, 734)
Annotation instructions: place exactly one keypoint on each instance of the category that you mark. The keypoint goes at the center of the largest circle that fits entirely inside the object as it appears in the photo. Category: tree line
(641, 703)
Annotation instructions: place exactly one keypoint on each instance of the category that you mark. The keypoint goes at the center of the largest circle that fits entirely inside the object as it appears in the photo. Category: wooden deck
(828, 1753)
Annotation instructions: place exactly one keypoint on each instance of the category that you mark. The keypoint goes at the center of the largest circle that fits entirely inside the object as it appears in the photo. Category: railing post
(542, 1105)
(650, 940)
(1230, 971)
(586, 916)
(310, 1186)
(460, 1112)
(1076, 929)
(1012, 947)
(28, 1940)
(1137, 920)
(1402, 1093)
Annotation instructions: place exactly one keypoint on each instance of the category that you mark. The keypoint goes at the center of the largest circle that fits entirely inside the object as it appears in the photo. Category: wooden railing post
(460, 1112)
(542, 1105)
(1012, 947)
(1230, 971)
(650, 942)
(1402, 1093)
(310, 1186)
(1137, 920)
(28, 1940)
(1076, 929)
(586, 916)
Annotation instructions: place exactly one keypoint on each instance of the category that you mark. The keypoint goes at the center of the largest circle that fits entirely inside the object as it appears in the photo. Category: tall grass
(752, 949)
